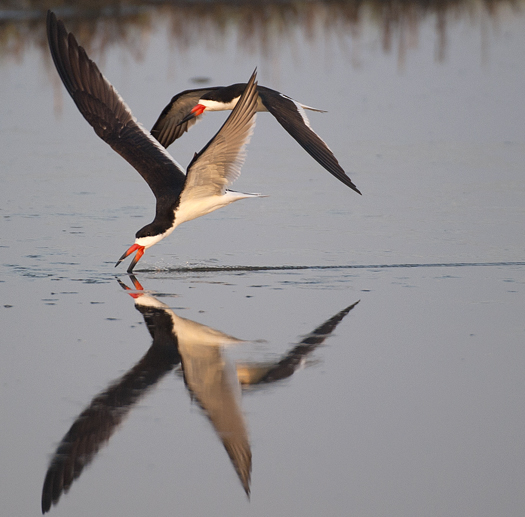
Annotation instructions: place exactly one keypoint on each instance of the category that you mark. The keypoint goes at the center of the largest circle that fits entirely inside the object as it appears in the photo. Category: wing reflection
(213, 382)
(264, 373)
(95, 425)
(210, 379)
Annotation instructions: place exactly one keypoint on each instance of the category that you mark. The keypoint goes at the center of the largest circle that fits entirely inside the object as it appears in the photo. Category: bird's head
(196, 111)
(144, 239)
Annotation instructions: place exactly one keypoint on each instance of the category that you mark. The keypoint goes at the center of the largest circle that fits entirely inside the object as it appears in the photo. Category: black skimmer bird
(180, 197)
(186, 107)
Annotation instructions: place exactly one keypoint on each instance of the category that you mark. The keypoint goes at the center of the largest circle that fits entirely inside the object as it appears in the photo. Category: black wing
(290, 114)
(219, 163)
(108, 114)
(169, 126)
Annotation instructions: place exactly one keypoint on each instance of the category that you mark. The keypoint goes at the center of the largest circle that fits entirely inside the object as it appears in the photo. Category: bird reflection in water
(213, 382)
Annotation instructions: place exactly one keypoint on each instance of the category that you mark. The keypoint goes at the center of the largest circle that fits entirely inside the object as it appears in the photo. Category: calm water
(406, 403)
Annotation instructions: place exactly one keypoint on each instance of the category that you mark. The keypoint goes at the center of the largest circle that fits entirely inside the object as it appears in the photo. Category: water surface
(409, 404)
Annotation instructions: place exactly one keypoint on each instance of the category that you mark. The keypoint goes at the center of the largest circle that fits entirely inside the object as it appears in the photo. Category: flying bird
(179, 197)
(186, 107)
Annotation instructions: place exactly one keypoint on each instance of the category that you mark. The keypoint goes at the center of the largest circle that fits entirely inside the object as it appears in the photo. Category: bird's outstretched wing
(109, 115)
(291, 115)
(169, 126)
(219, 164)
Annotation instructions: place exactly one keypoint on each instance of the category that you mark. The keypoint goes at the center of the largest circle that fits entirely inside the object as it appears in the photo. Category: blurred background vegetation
(259, 25)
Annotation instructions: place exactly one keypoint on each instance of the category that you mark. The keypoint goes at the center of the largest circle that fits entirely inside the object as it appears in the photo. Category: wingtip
(51, 21)
(45, 507)
(348, 182)
(253, 77)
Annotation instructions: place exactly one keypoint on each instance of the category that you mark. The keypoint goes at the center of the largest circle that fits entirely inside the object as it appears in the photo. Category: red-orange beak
(195, 112)
(140, 251)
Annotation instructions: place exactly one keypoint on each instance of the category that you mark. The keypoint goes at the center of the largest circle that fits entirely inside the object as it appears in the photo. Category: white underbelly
(198, 206)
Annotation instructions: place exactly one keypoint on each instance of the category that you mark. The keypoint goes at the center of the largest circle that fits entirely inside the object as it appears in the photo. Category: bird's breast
(197, 206)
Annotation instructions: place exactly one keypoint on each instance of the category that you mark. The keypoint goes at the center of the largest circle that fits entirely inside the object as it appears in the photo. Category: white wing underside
(219, 165)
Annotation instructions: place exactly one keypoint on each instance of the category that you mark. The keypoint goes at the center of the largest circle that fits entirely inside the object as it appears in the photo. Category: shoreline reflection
(259, 27)
(212, 381)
